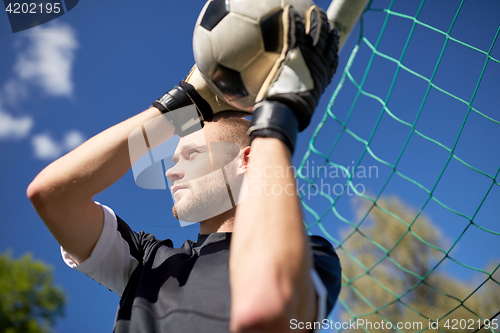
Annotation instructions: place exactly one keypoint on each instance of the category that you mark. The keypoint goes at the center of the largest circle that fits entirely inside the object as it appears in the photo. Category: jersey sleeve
(116, 255)
(326, 275)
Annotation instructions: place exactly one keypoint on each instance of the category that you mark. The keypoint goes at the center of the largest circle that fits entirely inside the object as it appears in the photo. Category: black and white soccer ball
(236, 43)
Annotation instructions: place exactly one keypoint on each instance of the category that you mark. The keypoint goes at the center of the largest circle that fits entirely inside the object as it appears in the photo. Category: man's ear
(243, 161)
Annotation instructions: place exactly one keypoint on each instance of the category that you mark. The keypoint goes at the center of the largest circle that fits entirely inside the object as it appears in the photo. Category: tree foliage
(393, 272)
(30, 303)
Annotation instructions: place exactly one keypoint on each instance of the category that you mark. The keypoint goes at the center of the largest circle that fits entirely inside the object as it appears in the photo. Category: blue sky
(105, 61)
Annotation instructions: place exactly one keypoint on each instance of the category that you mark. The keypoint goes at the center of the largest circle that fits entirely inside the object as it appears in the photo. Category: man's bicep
(114, 257)
(76, 228)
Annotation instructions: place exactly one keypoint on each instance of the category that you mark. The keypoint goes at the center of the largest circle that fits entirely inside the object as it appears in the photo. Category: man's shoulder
(317, 240)
(320, 244)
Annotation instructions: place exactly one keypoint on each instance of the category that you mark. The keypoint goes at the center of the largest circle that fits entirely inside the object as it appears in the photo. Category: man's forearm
(62, 193)
(270, 257)
(96, 164)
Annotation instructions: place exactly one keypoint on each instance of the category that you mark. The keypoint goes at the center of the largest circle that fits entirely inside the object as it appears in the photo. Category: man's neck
(220, 223)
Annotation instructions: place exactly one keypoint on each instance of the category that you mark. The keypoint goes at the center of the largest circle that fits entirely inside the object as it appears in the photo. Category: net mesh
(401, 172)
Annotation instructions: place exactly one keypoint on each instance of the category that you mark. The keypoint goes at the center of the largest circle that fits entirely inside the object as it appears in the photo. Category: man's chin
(207, 197)
(190, 215)
(195, 214)
(174, 212)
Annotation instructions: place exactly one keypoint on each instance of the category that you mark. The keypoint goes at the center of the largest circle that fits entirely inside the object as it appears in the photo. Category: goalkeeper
(252, 268)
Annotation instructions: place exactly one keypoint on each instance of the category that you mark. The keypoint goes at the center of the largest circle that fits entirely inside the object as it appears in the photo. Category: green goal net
(401, 172)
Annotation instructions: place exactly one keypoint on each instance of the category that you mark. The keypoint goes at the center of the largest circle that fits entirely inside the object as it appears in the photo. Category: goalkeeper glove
(305, 68)
(192, 91)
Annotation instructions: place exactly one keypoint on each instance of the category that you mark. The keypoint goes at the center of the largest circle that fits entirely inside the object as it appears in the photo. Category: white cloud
(45, 59)
(73, 139)
(12, 127)
(45, 147)
(48, 59)
(14, 90)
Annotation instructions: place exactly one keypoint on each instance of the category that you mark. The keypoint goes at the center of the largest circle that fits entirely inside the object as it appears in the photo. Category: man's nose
(174, 173)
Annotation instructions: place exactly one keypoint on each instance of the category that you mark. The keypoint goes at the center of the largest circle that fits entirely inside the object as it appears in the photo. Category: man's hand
(192, 91)
(293, 89)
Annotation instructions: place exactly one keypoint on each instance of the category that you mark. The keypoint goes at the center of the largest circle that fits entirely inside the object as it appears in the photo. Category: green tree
(29, 301)
(389, 273)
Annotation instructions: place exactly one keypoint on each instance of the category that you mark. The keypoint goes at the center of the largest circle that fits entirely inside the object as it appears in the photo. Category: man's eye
(192, 154)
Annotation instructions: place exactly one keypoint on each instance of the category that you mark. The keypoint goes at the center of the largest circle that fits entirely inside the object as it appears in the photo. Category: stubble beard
(205, 197)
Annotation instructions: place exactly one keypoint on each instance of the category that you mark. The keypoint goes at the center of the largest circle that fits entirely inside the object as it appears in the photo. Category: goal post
(344, 14)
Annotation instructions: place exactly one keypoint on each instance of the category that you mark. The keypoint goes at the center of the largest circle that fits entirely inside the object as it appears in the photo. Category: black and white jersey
(167, 289)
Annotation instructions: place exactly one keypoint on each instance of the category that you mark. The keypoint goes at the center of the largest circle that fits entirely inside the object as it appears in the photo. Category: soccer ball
(236, 43)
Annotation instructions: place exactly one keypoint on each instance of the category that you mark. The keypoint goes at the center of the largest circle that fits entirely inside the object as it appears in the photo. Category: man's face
(203, 167)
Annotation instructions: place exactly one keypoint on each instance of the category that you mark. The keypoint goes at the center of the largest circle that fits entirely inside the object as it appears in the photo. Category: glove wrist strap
(203, 106)
(274, 119)
(176, 99)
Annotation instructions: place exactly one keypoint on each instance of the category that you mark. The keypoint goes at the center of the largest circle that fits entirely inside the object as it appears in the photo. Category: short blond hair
(233, 127)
